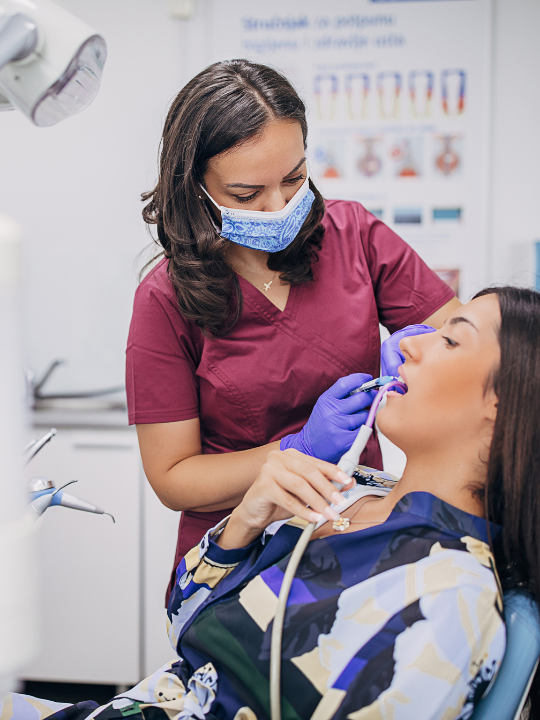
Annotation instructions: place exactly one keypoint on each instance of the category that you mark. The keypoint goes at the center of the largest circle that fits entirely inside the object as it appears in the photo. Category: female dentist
(264, 312)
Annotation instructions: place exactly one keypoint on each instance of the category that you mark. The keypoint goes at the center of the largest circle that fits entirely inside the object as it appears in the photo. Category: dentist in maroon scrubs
(263, 314)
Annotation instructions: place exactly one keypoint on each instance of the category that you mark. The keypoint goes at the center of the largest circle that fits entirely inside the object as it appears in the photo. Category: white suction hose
(347, 463)
(277, 627)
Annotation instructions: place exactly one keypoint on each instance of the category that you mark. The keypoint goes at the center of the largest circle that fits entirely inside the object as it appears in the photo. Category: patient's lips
(399, 392)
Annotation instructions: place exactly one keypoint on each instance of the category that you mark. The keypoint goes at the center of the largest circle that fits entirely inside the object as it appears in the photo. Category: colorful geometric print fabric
(402, 620)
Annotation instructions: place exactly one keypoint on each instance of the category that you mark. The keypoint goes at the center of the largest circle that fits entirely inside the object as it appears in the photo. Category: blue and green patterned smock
(393, 622)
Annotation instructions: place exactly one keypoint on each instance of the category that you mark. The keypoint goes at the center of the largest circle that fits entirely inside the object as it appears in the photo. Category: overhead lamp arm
(18, 37)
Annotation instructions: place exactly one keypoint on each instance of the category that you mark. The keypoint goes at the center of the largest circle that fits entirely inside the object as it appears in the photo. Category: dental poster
(398, 109)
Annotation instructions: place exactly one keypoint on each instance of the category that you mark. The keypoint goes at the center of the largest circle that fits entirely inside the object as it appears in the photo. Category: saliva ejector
(43, 493)
(347, 464)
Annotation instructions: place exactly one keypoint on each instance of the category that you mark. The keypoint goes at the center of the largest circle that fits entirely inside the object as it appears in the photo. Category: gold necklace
(266, 285)
(342, 523)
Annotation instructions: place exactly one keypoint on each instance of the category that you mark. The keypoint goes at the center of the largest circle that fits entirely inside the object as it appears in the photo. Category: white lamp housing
(56, 61)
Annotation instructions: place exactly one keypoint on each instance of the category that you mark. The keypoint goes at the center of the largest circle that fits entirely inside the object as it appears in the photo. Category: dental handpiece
(373, 384)
(43, 494)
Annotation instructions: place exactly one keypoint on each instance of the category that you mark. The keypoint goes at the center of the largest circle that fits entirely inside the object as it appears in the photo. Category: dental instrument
(34, 446)
(373, 384)
(44, 494)
(347, 464)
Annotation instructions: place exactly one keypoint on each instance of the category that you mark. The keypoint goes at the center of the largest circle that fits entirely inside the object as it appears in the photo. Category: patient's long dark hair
(225, 105)
(513, 483)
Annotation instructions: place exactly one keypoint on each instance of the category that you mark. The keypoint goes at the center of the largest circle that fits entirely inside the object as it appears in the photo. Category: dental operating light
(51, 62)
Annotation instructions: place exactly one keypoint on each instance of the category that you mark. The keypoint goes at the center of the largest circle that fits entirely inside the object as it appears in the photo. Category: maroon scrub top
(261, 382)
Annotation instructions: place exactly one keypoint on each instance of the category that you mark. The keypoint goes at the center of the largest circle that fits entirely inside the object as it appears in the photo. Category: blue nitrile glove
(391, 355)
(334, 421)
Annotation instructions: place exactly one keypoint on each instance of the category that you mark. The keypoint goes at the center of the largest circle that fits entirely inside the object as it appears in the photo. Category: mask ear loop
(205, 191)
(212, 220)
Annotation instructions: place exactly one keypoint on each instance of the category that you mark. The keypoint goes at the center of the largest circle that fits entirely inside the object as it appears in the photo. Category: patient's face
(446, 373)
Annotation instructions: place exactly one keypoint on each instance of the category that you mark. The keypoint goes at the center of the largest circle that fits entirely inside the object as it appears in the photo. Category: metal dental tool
(43, 494)
(347, 464)
(34, 446)
(373, 384)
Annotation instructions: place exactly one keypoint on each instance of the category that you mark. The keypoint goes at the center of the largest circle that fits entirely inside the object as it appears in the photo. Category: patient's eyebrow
(456, 320)
(258, 187)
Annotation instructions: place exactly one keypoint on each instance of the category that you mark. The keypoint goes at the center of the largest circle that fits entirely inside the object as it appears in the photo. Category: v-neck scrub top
(261, 382)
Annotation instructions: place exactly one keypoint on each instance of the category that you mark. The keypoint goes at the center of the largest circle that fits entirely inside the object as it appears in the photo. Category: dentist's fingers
(292, 506)
(342, 387)
(358, 401)
(391, 355)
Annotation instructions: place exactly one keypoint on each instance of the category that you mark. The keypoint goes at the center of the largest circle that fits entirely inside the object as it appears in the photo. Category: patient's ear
(491, 403)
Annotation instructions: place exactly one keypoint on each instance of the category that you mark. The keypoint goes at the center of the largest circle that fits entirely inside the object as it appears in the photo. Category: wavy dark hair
(512, 493)
(225, 105)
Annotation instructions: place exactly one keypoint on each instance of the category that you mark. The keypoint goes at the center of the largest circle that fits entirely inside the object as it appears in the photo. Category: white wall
(75, 187)
(75, 190)
(515, 140)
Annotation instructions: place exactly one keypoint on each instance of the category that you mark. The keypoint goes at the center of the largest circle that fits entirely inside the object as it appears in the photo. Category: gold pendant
(267, 285)
(342, 524)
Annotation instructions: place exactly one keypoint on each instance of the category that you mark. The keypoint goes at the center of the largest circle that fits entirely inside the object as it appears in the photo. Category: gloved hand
(334, 421)
(391, 355)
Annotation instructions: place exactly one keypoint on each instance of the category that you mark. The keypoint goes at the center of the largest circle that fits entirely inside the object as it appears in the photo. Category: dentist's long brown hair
(513, 483)
(223, 106)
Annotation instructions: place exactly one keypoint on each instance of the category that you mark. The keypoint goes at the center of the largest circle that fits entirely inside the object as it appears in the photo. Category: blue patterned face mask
(269, 231)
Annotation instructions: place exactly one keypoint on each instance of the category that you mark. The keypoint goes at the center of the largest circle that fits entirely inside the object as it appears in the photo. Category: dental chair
(507, 695)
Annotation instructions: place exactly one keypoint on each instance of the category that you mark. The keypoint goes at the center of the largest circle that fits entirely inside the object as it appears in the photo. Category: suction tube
(347, 463)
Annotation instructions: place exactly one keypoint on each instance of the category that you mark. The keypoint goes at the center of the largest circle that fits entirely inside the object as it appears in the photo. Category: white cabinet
(91, 568)
(160, 533)
(102, 584)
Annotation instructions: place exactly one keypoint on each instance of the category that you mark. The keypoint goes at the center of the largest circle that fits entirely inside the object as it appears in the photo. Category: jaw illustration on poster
(398, 111)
